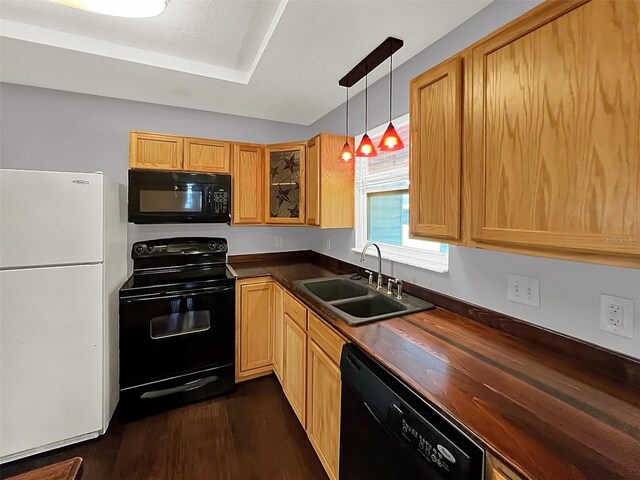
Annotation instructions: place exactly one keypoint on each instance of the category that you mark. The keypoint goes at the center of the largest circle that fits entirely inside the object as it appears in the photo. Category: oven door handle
(178, 294)
(187, 387)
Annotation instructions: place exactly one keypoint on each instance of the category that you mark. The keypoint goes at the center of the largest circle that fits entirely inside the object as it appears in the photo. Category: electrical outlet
(524, 290)
(616, 315)
(328, 243)
(279, 242)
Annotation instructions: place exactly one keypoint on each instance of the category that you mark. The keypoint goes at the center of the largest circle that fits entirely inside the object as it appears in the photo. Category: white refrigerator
(63, 240)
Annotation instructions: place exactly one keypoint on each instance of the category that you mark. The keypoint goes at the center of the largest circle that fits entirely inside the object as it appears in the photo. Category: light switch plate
(617, 315)
(278, 242)
(524, 290)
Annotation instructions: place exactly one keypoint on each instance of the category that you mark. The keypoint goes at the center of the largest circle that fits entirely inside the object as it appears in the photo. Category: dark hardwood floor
(251, 434)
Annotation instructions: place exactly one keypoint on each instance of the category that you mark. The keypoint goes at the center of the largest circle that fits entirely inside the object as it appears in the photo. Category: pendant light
(390, 141)
(366, 148)
(347, 155)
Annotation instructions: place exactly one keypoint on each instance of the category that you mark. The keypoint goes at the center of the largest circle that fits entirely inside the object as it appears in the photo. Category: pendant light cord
(346, 127)
(366, 102)
(390, 85)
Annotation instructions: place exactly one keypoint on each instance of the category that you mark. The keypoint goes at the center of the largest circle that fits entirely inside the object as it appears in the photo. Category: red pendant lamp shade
(391, 141)
(366, 148)
(347, 155)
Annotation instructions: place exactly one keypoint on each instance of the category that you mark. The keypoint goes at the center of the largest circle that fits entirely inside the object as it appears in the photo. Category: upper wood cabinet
(330, 183)
(528, 142)
(313, 182)
(155, 151)
(436, 153)
(203, 155)
(254, 327)
(285, 183)
(555, 162)
(248, 183)
(271, 184)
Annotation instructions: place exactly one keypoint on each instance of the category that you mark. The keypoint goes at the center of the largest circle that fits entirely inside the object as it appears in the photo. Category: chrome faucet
(364, 250)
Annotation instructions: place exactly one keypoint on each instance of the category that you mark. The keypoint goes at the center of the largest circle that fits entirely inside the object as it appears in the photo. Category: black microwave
(179, 197)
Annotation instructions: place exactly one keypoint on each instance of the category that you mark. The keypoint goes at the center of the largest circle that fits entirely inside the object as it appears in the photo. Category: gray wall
(52, 130)
(569, 291)
(43, 129)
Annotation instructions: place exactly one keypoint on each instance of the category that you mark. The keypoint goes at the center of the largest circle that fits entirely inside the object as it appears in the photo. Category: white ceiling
(272, 59)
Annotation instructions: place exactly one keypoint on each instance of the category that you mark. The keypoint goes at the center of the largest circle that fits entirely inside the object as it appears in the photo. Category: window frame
(433, 260)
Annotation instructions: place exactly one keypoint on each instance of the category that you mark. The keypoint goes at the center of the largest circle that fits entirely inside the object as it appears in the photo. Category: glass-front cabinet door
(285, 192)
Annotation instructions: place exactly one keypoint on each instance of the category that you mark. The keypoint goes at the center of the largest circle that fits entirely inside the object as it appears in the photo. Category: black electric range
(177, 324)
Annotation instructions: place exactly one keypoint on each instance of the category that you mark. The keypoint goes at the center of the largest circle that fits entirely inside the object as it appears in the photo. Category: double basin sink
(356, 302)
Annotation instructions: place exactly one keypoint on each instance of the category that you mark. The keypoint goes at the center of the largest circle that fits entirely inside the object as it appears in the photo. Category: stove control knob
(212, 245)
(220, 246)
(140, 249)
(151, 248)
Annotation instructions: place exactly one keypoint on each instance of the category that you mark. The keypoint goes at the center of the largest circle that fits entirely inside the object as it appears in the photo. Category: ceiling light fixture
(390, 141)
(366, 148)
(119, 8)
(347, 154)
(362, 69)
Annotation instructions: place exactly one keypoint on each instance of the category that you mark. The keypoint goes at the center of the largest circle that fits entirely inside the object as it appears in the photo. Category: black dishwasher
(389, 433)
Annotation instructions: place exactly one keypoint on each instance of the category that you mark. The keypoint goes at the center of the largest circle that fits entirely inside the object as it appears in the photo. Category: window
(382, 206)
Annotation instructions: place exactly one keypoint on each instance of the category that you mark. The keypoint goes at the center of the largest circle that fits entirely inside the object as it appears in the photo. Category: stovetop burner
(164, 265)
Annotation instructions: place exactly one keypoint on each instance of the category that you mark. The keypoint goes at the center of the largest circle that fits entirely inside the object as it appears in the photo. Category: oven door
(178, 197)
(175, 333)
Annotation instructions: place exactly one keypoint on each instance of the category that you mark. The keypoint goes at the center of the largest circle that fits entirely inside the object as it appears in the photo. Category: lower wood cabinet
(324, 393)
(496, 470)
(254, 327)
(275, 332)
(497, 475)
(294, 355)
(278, 331)
(323, 407)
(294, 375)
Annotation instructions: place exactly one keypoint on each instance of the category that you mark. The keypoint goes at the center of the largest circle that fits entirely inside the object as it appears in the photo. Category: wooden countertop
(545, 416)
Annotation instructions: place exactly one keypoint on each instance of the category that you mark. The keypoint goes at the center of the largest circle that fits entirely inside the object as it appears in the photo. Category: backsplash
(569, 291)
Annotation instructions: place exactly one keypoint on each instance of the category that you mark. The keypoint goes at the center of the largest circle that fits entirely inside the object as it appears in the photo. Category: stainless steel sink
(356, 302)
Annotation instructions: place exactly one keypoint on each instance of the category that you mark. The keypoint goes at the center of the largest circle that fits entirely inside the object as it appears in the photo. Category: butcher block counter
(570, 411)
